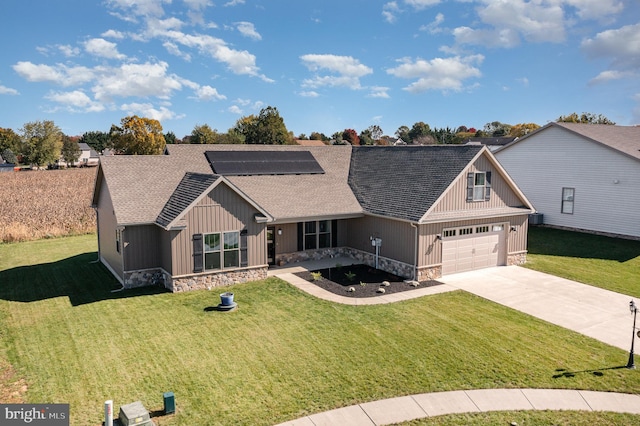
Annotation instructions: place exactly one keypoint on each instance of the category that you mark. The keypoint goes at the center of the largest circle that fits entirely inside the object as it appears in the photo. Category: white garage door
(462, 253)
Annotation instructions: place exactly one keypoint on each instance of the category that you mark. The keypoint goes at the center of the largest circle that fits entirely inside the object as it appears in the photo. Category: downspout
(415, 253)
(98, 232)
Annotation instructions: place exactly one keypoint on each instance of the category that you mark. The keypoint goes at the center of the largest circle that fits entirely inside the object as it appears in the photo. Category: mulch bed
(365, 281)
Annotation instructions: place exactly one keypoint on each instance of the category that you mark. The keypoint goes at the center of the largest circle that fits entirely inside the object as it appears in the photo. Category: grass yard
(66, 338)
(610, 263)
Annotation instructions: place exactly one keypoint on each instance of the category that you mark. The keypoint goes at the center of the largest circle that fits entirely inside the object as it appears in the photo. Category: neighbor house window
(222, 250)
(567, 200)
(479, 186)
(119, 240)
(317, 234)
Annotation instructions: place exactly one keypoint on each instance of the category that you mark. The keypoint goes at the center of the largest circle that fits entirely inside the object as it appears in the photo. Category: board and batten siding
(221, 210)
(501, 193)
(398, 237)
(555, 158)
(142, 247)
(107, 232)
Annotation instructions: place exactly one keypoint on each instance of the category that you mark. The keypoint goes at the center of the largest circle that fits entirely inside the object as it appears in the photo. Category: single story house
(202, 216)
(88, 157)
(580, 176)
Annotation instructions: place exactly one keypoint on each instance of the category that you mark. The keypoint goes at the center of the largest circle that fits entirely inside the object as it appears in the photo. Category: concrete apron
(594, 312)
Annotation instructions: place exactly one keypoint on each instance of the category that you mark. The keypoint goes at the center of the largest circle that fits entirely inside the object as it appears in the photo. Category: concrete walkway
(594, 312)
(406, 408)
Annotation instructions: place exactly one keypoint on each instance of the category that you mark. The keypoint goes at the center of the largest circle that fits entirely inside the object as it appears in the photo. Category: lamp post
(634, 310)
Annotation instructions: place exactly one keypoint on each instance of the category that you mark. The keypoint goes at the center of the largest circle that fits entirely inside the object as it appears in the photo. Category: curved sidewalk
(406, 408)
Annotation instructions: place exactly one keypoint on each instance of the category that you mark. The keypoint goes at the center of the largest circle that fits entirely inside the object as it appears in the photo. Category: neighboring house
(310, 142)
(4, 166)
(493, 143)
(208, 215)
(88, 158)
(580, 176)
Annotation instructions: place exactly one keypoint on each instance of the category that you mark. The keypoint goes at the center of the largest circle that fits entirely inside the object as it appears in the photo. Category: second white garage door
(475, 251)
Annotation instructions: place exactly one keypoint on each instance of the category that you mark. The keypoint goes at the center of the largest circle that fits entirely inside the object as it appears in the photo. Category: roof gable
(404, 182)
(624, 139)
(190, 188)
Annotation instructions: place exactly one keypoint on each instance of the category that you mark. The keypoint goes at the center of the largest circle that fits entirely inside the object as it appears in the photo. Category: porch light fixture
(279, 231)
(438, 236)
(513, 228)
(634, 310)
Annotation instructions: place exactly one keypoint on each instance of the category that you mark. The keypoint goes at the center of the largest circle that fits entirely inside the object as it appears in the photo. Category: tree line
(41, 143)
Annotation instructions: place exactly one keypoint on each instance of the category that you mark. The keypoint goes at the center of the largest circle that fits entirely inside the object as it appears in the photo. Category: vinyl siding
(398, 237)
(555, 158)
(221, 210)
(142, 247)
(502, 195)
(107, 230)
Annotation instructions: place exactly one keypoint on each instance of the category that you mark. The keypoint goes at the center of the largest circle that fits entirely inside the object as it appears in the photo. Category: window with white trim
(479, 182)
(466, 231)
(482, 229)
(567, 200)
(222, 250)
(449, 232)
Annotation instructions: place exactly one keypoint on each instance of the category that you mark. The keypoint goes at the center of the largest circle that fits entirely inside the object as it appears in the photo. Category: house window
(222, 250)
(479, 181)
(317, 234)
(478, 186)
(119, 240)
(567, 200)
(449, 232)
(466, 231)
(482, 229)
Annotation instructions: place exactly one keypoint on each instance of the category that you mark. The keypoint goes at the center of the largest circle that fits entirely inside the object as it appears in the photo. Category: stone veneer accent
(215, 279)
(145, 278)
(429, 273)
(389, 265)
(517, 258)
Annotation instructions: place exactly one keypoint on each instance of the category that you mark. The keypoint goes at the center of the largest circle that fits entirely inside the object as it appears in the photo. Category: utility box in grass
(134, 414)
(169, 402)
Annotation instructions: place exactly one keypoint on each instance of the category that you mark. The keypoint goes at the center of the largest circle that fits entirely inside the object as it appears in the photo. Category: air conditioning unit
(536, 219)
(134, 414)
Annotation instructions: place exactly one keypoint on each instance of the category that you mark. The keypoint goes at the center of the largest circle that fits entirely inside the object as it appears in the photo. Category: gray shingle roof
(190, 187)
(404, 182)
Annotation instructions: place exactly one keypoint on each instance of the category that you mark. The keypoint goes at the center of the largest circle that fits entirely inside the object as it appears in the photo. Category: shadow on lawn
(80, 278)
(561, 372)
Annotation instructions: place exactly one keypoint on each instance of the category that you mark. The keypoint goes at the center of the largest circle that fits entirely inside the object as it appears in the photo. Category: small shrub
(350, 276)
(363, 284)
(338, 266)
(316, 275)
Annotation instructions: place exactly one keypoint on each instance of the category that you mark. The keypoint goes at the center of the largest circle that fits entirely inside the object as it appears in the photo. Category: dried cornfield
(45, 204)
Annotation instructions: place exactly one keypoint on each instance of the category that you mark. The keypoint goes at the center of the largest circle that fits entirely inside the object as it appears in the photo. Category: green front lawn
(282, 355)
(610, 263)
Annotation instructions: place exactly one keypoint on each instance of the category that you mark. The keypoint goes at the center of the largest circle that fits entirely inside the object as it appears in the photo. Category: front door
(271, 245)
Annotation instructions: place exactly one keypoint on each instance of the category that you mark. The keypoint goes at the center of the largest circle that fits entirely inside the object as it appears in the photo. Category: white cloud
(609, 75)
(379, 92)
(68, 50)
(103, 48)
(596, 9)
(346, 69)
(524, 81)
(438, 73)
(234, 3)
(389, 11)
(434, 26)
(504, 37)
(146, 8)
(235, 109)
(621, 45)
(421, 4)
(113, 34)
(173, 49)
(137, 80)
(309, 94)
(4, 90)
(208, 93)
(147, 110)
(247, 29)
(76, 101)
(58, 74)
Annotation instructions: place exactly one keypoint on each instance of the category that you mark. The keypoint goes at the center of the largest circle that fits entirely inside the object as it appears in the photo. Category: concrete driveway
(594, 312)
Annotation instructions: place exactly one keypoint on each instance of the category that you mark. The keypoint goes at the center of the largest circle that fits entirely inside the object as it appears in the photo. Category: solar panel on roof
(240, 163)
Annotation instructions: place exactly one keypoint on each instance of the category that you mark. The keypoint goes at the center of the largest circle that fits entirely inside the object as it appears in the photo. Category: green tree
(366, 138)
(170, 138)
(316, 136)
(376, 132)
(41, 141)
(10, 140)
(420, 133)
(137, 136)
(496, 129)
(202, 134)
(403, 133)
(99, 141)
(267, 128)
(70, 150)
(9, 156)
(586, 118)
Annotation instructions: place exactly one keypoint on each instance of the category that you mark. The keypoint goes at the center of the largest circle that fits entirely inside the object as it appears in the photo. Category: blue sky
(326, 65)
